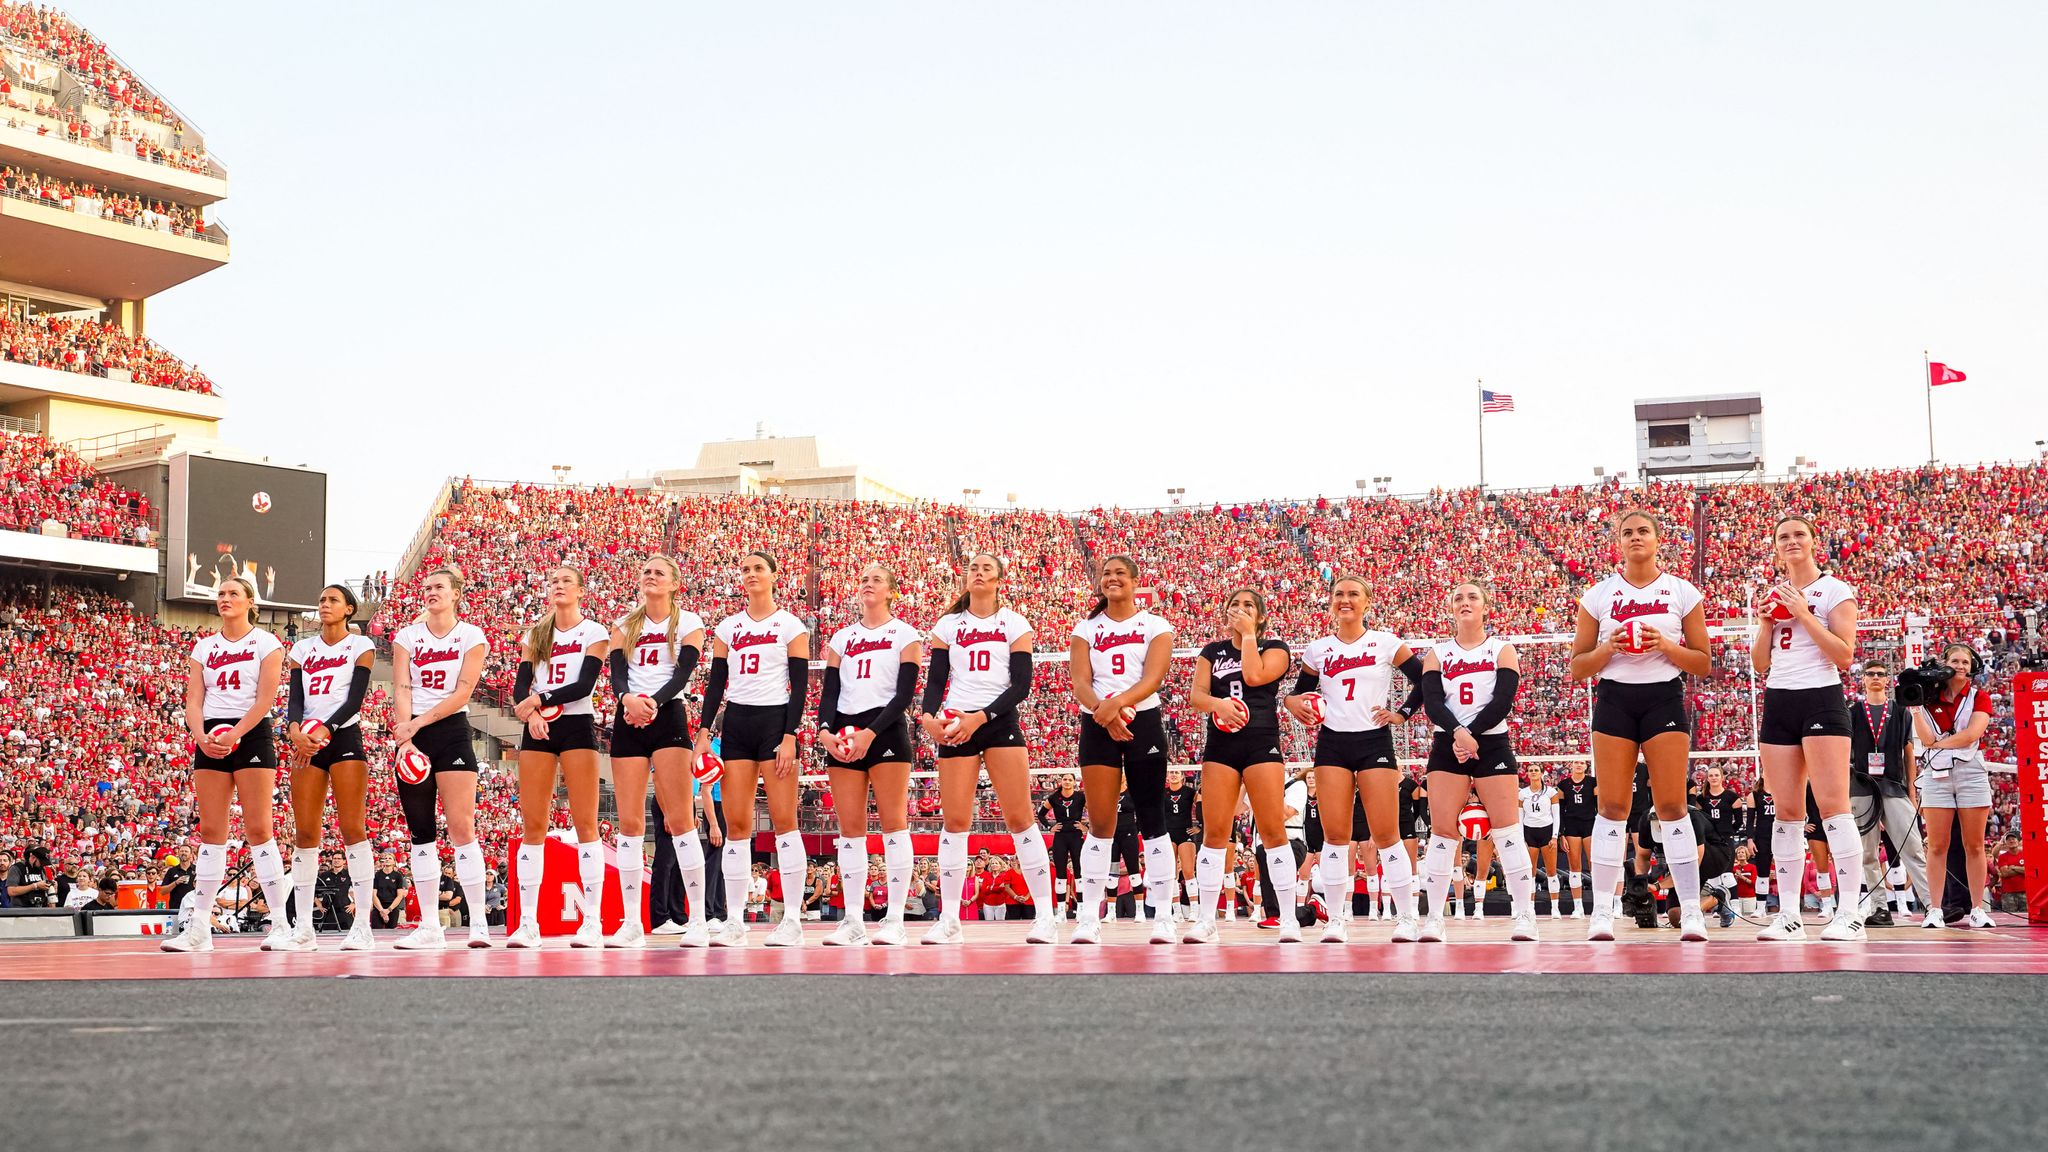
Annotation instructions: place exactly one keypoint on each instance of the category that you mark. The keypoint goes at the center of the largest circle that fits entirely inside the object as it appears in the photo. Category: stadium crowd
(41, 481)
(42, 31)
(94, 348)
(104, 203)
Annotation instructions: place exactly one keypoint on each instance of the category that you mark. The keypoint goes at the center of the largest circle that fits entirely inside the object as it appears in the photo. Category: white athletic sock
(207, 872)
(1682, 855)
(1578, 882)
(268, 865)
(305, 868)
(790, 861)
(689, 848)
(1606, 849)
(952, 871)
(1036, 864)
(898, 862)
(1208, 882)
(736, 871)
(1515, 867)
(426, 882)
(590, 870)
(1845, 844)
(1159, 875)
(1334, 870)
(1281, 866)
(1397, 879)
(632, 867)
(1436, 873)
(853, 874)
(1094, 875)
(532, 863)
(1788, 861)
(469, 873)
(362, 876)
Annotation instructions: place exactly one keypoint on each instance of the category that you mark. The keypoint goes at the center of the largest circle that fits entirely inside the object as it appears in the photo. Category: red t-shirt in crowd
(2017, 882)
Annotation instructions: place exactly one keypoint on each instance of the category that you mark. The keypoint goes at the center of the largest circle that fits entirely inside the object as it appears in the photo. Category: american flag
(1496, 402)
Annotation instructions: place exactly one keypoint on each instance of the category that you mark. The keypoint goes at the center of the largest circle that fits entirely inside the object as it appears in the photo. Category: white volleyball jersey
(1469, 678)
(1537, 806)
(978, 667)
(566, 660)
(435, 662)
(1353, 678)
(328, 670)
(650, 664)
(868, 662)
(1116, 652)
(1662, 605)
(757, 661)
(1796, 661)
(231, 669)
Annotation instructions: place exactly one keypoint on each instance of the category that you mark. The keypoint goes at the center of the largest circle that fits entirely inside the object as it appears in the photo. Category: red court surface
(998, 950)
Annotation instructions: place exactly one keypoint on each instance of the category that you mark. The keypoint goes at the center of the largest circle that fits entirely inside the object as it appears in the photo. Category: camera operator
(1881, 792)
(1954, 785)
(26, 882)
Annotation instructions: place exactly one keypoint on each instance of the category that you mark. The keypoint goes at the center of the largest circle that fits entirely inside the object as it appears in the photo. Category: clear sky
(1087, 252)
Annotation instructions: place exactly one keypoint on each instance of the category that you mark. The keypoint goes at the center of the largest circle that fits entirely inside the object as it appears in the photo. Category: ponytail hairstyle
(1002, 570)
(766, 558)
(1812, 530)
(1628, 514)
(248, 589)
(1485, 590)
(1101, 601)
(638, 616)
(348, 597)
(1259, 602)
(455, 583)
(1348, 578)
(540, 639)
(886, 571)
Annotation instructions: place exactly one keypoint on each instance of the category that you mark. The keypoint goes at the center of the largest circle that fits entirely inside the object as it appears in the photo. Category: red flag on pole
(1939, 374)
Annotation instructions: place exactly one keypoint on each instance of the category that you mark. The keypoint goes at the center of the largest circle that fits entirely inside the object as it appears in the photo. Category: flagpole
(1479, 398)
(1927, 382)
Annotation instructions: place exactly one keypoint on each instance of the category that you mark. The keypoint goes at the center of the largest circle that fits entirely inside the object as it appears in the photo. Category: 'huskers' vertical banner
(2030, 725)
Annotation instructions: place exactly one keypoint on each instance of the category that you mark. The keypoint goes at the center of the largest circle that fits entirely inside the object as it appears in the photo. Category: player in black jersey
(1237, 684)
(1763, 818)
(1065, 813)
(1577, 806)
(1183, 828)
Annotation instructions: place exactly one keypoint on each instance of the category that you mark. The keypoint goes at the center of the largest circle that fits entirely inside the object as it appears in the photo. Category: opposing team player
(980, 674)
(1640, 631)
(760, 671)
(1539, 824)
(1578, 806)
(1804, 641)
(1117, 659)
(230, 685)
(1065, 811)
(436, 663)
(1344, 690)
(1237, 683)
(1468, 686)
(330, 677)
(870, 683)
(653, 652)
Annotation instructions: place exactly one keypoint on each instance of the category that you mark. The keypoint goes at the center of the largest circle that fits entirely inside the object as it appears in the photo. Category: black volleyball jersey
(1180, 808)
(1723, 817)
(1576, 799)
(1066, 811)
(1312, 822)
(1766, 808)
(1226, 678)
(1411, 803)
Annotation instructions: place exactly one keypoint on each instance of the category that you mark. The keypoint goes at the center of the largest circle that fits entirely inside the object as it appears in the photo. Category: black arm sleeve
(714, 692)
(1020, 686)
(295, 704)
(358, 691)
(799, 688)
(935, 679)
(616, 662)
(1305, 681)
(522, 681)
(1412, 669)
(906, 691)
(583, 685)
(1506, 682)
(686, 664)
(1434, 703)
(828, 699)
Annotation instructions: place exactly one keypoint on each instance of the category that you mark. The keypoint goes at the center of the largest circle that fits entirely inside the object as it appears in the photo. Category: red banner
(2030, 726)
(561, 891)
(1939, 374)
(921, 843)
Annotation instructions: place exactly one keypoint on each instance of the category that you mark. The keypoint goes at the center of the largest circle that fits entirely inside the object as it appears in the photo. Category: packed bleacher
(95, 348)
(41, 481)
(105, 203)
(40, 31)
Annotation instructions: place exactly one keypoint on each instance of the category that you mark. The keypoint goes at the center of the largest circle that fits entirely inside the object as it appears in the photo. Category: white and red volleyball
(846, 735)
(1630, 638)
(316, 731)
(549, 711)
(260, 502)
(708, 769)
(1127, 713)
(1473, 822)
(949, 720)
(1312, 702)
(1233, 717)
(411, 765)
(1775, 608)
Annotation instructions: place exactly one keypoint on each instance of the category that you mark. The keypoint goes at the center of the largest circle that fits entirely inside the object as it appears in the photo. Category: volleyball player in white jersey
(1237, 681)
(1538, 799)
(330, 677)
(230, 684)
(981, 669)
(560, 658)
(653, 651)
(1352, 669)
(436, 662)
(760, 670)
(1118, 658)
(1468, 688)
(1640, 632)
(870, 683)
(1804, 640)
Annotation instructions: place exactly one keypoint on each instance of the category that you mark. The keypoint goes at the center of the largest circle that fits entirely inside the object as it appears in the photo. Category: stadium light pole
(969, 495)
(1385, 484)
(561, 472)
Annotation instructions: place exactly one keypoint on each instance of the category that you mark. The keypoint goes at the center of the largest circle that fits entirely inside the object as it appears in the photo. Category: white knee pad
(1436, 859)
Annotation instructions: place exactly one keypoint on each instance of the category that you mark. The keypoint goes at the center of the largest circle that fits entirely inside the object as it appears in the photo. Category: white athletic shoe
(1336, 930)
(1044, 930)
(629, 935)
(1578, 913)
(1432, 930)
(479, 936)
(1200, 932)
(1846, 928)
(1087, 930)
(733, 935)
(1601, 927)
(1556, 909)
(788, 934)
(849, 934)
(666, 928)
(1980, 917)
(589, 934)
(697, 935)
(527, 935)
(305, 938)
(1163, 933)
(1934, 919)
(1785, 929)
(197, 937)
(945, 930)
(280, 939)
(359, 938)
(888, 931)
(430, 938)
(1692, 925)
(1525, 926)
(1405, 929)
(1290, 932)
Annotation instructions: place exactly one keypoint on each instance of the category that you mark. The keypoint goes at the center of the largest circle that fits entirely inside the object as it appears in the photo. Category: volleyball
(1313, 701)
(709, 769)
(411, 765)
(1233, 717)
(260, 502)
(316, 731)
(549, 711)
